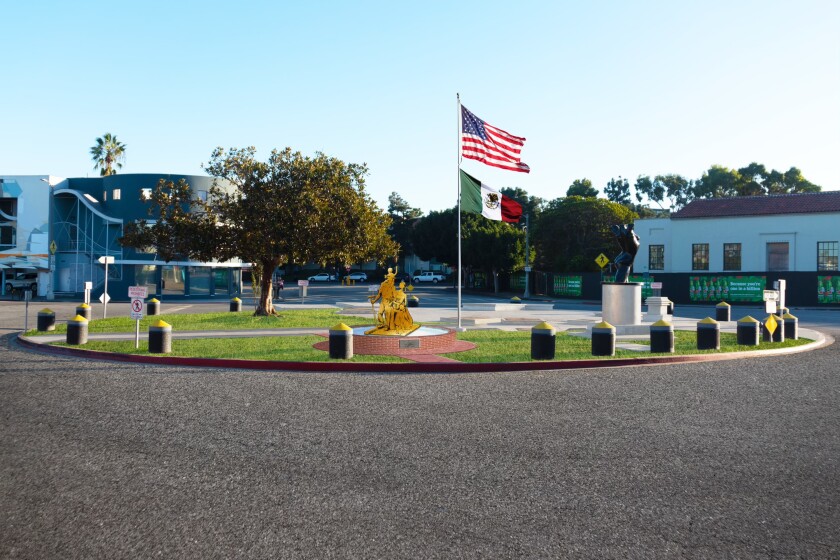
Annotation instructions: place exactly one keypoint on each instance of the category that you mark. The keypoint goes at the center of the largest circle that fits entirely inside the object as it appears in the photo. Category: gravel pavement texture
(732, 459)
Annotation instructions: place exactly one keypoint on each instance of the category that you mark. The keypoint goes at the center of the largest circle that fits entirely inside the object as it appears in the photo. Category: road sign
(53, 247)
(771, 295)
(303, 282)
(770, 324)
(137, 308)
(527, 269)
(104, 298)
(602, 260)
(106, 260)
(656, 285)
(137, 292)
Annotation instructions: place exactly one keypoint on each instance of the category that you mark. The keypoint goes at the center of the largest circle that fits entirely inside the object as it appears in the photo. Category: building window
(8, 208)
(116, 194)
(145, 194)
(700, 256)
(778, 256)
(827, 252)
(7, 236)
(202, 196)
(656, 257)
(731, 256)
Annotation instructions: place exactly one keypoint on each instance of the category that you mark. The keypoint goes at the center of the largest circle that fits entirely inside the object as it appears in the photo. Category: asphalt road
(732, 459)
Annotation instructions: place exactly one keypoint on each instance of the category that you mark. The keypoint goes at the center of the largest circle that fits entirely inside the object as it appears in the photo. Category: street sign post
(106, 260)
(137, 294)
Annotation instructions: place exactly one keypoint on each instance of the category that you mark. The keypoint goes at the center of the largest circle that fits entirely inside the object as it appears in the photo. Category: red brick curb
(363, 367)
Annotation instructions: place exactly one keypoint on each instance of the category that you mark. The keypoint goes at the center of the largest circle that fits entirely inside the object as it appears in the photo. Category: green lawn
(272, 348)
(493, 347)
(500, 346)
(243, 320)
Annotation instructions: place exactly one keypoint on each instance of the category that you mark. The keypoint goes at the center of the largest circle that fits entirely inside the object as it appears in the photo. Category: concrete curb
(459, 367)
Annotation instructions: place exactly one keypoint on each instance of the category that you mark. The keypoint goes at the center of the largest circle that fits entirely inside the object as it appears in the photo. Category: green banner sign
(727, 288)
(517, 281)
(828, 289)
(571, 286)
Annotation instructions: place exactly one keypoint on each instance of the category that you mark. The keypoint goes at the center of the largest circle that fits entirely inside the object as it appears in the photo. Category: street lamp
(50, 240)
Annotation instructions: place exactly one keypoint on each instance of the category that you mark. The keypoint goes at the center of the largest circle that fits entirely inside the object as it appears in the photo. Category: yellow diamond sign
(53, 247)
(602, 260)
(770, 324)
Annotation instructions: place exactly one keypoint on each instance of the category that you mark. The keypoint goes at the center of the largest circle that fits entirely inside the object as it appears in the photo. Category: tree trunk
(265, 305)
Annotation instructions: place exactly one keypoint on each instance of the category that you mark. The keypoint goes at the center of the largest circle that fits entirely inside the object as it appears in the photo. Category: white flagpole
(460, 273)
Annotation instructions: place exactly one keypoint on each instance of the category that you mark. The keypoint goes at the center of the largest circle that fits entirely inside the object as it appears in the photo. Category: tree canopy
(583, 188)
(107, 153)
(290, 208)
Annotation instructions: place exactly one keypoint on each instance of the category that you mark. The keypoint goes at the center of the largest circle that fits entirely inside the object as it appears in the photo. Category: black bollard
(160, 337)
(791, 326)
(46, 320)
(153, 307)
(235, 305)
(723, 311)
(77, 330)
(413, 301)
(84, 310)
(341, 342)
(708, 334)
(542, 341)
(603, 339)
(772, 329)
(515, 299)
(747, 331)
(661, 337)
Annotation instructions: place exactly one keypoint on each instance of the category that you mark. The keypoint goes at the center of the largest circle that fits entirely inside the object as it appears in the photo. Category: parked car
(322, 277)
(23, 281)
(433, 277)
(357, 276)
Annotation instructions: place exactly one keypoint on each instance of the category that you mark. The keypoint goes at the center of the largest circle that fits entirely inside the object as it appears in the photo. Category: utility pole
(527, 293)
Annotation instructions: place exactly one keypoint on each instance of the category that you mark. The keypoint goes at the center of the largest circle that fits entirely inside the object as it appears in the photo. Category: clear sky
(599, 89)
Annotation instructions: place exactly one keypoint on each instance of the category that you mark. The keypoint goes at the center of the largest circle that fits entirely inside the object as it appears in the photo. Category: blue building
(61, 227)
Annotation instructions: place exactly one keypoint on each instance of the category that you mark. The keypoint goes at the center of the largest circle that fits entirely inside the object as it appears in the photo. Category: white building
(764, 237)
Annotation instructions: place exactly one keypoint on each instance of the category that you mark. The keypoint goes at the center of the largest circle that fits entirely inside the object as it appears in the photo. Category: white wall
(801, 231)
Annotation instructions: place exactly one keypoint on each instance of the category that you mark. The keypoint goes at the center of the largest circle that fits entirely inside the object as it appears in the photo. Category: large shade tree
(574, 230)
(290, 208)
(107, 153)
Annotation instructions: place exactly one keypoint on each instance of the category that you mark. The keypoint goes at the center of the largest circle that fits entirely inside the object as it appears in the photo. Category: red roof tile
(807, 203)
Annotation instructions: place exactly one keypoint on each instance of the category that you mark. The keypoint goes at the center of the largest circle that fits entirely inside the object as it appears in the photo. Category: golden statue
(392, 318)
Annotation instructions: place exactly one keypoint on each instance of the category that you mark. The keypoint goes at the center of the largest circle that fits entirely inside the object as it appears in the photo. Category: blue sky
(599, 89)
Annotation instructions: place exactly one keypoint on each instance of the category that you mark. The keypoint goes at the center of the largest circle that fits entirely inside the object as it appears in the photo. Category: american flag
(490, 145)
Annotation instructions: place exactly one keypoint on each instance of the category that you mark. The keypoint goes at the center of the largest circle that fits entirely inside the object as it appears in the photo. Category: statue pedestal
(621, 303)
(657, 309)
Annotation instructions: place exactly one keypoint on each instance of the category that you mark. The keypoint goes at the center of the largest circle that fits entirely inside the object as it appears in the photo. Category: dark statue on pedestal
(629, 243)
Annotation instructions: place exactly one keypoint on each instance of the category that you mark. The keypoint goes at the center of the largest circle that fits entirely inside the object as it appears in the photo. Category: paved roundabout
(736, 458)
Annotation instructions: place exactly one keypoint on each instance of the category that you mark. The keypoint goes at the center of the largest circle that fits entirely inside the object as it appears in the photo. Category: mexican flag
(478, 198)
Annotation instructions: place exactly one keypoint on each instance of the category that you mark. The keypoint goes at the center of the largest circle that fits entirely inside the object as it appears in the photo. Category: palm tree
(107, 152)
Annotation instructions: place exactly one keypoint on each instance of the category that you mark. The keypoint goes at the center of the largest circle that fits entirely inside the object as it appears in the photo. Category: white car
(25, 281)
(357, 276)
(322, 277)
(432, 277)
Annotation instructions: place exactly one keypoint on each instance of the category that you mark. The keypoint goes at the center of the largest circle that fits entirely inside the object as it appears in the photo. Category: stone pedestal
(657, 309)
(621, 303)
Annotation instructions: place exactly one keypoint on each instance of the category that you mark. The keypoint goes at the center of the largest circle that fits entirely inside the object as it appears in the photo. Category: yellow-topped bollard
(84, 310)
(235, 305)
(723, 311)
(791, 325)
(153, 307)
(160, 337)
(603, 339)
(46, 320)
(77, 330)
(515, 299)
(662, 337)
(543, 338)
(708, 334)
(748, 331)
(341, 342)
